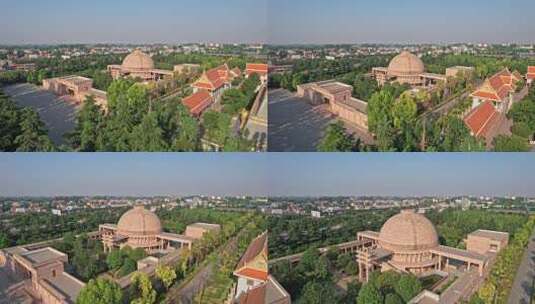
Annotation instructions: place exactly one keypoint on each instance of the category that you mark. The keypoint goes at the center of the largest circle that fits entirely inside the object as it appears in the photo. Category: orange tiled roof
(498, 87)
(531, 72)
(214, 78)
(259, 68)
(480, 119)
(253, 273)
(198, 102)
(256, 295)
(257, 247)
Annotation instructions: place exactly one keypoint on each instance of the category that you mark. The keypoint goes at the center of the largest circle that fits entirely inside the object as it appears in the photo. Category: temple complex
(338, 96)
(498, 90)
(408, 243)
(138, 65)
(76, 87)
(407, 68)
(255, 284)
(141, 228)
(37, 271)
(216, 80)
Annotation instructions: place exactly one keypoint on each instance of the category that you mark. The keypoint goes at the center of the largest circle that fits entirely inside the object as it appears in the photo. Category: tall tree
(147, 293)
(33, 136)
(89, 120)
(100, 291)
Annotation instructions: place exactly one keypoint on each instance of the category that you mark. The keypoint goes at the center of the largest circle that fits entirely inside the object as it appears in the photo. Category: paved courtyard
(294, 124)
(58, 115)
(297, 126)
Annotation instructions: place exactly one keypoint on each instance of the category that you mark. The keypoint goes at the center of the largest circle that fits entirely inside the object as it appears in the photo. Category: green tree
(317, 293)
(512, 143)
(89, 120)
(127, 268)
(336, 139)
(33, 136)
(148, 136)
(100, 291)
(4, 241)
(368, 294)
(408, 286)
(144, 285)
(115, 259)
(166, 274)
(393, 298)
(404, 118)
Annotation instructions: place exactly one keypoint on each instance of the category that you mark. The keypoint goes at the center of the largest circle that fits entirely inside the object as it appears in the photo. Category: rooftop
(41, 256)
(67, 285)
(493, 235)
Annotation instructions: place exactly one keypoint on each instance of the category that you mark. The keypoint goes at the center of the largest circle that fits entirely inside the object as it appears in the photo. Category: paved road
(462, 288)
(186, 294)
(58, 115)
(294, 124)
(522, 290)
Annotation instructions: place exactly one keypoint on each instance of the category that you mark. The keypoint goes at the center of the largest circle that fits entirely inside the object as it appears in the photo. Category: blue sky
(275, 174)
(405, 21)
(61, 21)
(290, 21)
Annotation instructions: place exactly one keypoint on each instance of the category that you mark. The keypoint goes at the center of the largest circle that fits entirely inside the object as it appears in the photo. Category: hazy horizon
(267, 174)
(133, 21)
(267, 21)
(409, 21)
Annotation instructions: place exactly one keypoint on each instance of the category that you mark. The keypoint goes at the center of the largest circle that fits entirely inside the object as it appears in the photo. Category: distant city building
(315, 214)
(138, 65)
(186, 68)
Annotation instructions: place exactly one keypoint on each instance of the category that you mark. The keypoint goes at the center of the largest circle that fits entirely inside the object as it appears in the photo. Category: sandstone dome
(139, 221)
(408, 231)
(405, 64)
(137, 60)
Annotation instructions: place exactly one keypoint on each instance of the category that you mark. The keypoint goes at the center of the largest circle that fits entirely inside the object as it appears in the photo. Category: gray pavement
(522, 290)
(56, 112)
(294, 124)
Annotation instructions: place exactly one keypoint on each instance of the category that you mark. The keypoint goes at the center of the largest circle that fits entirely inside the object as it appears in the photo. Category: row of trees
(498, 284)
(28, 228)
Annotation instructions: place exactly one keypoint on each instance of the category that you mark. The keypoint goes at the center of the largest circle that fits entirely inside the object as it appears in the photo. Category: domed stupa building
(408, 242)
(141, 228)
(138, 65)
(407, 68)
